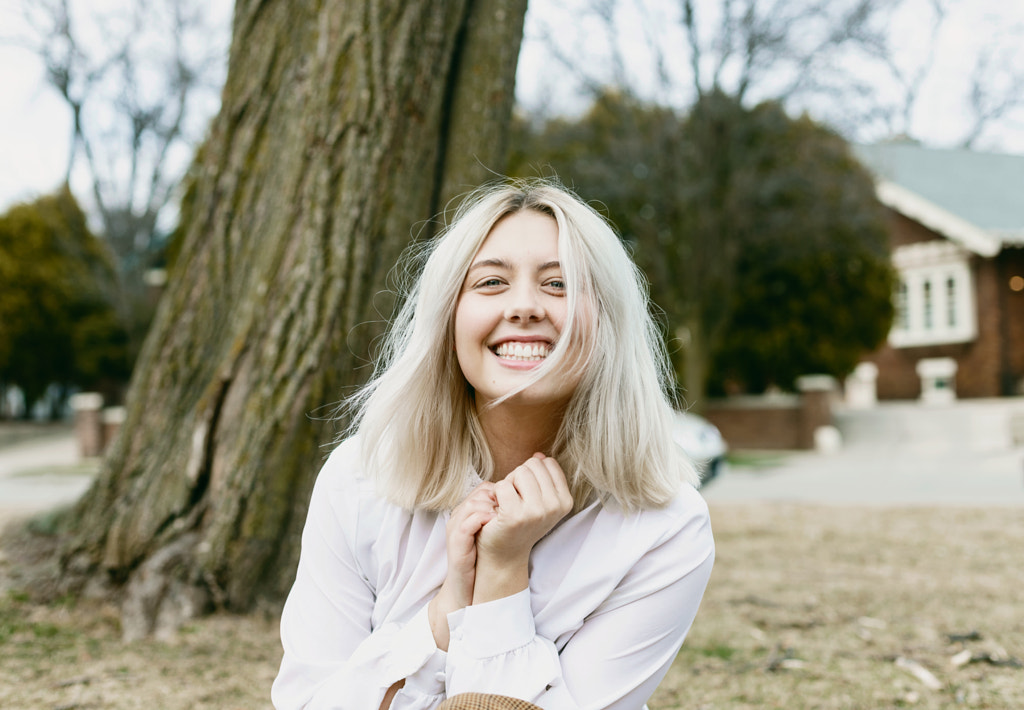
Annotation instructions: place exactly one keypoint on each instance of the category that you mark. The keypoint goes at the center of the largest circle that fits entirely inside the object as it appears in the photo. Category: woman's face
(511, 311)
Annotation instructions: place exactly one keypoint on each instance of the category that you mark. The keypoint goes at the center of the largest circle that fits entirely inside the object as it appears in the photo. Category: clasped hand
(491, 533)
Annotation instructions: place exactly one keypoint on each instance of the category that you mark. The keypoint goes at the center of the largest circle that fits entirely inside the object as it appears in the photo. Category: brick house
(957, 231)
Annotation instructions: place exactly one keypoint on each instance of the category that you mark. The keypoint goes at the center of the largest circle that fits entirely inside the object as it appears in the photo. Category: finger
(560, 486)
(470, 507)
(526, 482)
(483, 491)
(481, 495)
(506, 495)
(475, 522)
(540, 481)
(483, 487)
(556, 473)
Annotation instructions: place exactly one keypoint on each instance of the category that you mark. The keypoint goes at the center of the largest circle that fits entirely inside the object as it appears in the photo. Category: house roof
(974, 198)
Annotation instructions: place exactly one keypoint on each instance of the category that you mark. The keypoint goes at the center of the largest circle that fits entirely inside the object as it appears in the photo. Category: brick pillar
(816, 392)
(88, 424)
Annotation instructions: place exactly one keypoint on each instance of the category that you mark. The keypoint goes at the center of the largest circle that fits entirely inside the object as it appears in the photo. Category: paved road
(858, 477)
(900, 454)
(40, 474)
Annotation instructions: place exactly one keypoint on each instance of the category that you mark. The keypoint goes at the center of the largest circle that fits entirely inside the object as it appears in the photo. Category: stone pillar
(113, 418)
(816, 429)
(938, 379)
(861, 386)
(88, 424)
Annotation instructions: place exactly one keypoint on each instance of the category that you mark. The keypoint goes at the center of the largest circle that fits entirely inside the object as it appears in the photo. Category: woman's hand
(530, 501)
(457, 590)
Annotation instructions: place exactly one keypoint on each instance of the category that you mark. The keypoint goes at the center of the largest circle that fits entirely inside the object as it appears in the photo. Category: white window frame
(934, 263)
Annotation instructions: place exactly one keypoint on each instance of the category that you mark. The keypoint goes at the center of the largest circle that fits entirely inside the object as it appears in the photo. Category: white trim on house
(922, 210)
(935, 301)
(1009, 237)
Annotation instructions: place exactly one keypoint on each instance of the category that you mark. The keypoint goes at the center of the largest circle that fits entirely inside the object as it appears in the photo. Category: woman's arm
(622, 649)
(333, 658)
(390, 695)
(460, 536)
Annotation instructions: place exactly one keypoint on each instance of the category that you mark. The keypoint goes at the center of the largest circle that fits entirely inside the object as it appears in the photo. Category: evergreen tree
(57, 319)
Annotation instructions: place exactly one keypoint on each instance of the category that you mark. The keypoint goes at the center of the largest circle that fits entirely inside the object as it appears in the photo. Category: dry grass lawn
(808, 607)
(828, 608)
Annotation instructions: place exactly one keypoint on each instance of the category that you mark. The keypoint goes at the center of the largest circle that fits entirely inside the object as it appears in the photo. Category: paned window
(934, 298)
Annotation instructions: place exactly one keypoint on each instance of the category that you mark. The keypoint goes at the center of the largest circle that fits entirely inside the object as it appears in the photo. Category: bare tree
(847, 62)
(681, 50)
(140, 83)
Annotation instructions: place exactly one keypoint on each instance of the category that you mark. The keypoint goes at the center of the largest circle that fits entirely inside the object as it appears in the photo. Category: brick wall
(984, 364)
(757, 423)
(1012, 265)
(777, 421)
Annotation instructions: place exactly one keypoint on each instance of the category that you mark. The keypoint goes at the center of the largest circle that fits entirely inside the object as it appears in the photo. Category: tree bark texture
(345, 127)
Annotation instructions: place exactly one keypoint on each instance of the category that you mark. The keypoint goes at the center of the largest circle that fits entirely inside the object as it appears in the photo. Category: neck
(514, 433)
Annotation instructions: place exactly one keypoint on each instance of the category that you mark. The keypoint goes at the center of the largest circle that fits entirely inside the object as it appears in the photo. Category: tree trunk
(344, 128)
(695, 364)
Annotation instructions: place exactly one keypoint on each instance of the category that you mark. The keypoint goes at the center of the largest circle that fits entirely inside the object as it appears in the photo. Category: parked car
(702, 442)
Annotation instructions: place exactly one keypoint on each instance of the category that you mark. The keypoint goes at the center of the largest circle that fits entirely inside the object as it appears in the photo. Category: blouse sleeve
(618, 656)
(332, 659)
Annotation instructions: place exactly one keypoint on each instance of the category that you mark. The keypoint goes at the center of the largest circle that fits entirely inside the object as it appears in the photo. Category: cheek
(469, 326)
(558, 313)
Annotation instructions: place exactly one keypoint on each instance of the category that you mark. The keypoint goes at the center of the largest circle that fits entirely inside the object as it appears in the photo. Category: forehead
(521, 235)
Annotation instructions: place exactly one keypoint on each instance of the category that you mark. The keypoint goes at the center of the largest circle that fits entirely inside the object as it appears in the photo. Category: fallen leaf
(961, 659)
(915, 669)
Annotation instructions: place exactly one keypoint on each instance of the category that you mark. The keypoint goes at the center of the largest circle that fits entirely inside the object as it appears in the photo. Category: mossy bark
(345, 128)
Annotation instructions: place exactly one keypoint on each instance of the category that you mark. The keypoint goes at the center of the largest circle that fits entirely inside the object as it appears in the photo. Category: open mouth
(527, 352)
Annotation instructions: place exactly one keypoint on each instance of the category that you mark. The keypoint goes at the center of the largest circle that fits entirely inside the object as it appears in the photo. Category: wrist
(437, 615)
(498, 579)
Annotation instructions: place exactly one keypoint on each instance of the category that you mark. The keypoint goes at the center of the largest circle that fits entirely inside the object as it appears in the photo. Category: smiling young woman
(509, 515)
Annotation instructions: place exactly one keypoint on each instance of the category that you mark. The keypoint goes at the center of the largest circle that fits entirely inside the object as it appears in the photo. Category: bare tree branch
(989, 103)
(693, 37)
(131, 77)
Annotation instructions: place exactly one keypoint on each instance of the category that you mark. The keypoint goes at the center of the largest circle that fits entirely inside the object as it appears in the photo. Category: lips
(525, 351)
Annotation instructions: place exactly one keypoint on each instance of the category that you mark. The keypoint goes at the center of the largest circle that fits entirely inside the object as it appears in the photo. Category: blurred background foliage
(760, 234)
(58, 325)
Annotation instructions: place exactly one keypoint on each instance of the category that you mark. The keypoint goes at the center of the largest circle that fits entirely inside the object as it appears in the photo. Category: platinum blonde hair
(417, 420)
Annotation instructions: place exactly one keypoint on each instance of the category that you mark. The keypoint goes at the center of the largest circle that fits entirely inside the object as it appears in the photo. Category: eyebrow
(500, 263)
(504, 264)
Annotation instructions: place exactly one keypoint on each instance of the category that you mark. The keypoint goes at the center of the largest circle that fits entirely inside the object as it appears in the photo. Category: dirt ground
(808, 607)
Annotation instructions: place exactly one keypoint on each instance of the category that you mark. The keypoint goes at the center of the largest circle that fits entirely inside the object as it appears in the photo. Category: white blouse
(611, 598)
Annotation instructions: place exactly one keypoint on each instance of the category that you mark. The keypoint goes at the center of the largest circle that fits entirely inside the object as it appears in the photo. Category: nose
(523, 306)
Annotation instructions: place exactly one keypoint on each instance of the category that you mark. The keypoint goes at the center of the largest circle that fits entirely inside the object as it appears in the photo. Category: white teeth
(523, 351)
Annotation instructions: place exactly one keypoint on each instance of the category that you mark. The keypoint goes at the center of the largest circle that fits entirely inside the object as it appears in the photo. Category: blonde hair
(416, 419)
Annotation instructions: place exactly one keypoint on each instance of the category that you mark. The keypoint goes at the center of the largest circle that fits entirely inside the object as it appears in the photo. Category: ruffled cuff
(494, 627)
(429, 679)
(494, 648)
(396, 651)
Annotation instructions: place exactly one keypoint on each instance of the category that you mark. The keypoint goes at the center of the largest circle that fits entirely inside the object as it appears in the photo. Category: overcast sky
(35, 125)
